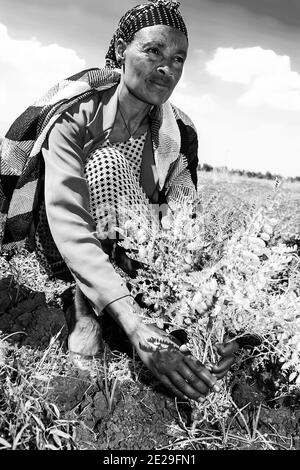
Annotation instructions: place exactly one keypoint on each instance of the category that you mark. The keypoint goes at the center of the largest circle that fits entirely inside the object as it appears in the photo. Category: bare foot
(86, 337)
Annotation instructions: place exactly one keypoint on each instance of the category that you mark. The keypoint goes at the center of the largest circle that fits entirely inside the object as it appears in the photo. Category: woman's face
(153, 62)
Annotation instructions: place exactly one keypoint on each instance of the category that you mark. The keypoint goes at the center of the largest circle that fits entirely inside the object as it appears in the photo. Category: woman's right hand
(180, 372)
(177, 369)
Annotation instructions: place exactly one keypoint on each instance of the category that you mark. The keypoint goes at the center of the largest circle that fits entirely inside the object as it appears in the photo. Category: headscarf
(152, 13)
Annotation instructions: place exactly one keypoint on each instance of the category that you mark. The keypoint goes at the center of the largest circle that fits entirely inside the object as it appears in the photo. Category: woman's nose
(165, 70)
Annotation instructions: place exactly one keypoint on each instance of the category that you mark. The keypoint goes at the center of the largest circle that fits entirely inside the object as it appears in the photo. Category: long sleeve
(67, 208)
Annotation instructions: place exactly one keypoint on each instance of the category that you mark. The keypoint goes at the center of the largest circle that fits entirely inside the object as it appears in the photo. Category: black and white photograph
(150, 228)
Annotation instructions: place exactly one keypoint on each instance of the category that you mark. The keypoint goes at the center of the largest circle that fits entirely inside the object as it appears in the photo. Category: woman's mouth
(160, 85)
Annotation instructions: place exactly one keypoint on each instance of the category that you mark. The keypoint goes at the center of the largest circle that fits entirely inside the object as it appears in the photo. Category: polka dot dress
(113, 173)
(46, 249)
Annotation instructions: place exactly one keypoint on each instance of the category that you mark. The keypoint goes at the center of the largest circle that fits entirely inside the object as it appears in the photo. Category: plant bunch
(252, 288)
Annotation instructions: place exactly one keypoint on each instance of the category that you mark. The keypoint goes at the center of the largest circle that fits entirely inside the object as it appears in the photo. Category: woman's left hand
(226, 351)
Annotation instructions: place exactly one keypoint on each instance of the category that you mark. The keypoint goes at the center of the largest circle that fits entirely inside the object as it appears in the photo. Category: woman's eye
(179, 59)
(153, 50)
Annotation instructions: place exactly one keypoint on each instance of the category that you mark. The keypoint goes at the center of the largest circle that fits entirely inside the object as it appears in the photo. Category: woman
(122, 140)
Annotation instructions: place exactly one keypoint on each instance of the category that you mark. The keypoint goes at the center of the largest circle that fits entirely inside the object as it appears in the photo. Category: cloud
(273, 148)
(3, 94)
(268, 76)
(28, 69)
(193, 105)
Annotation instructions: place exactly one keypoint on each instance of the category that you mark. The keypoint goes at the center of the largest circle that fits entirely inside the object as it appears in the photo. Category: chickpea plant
(252, 288)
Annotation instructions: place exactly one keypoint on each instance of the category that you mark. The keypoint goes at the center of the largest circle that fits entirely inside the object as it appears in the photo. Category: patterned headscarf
(154, 12)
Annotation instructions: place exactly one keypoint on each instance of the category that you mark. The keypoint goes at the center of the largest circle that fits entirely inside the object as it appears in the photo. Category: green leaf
(60, 433)
(292, 376)
(50, 446)
(56, 410)
(18, 437)
(39, 422)
(3, 442)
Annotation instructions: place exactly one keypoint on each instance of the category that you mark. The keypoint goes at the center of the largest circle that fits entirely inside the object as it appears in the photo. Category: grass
(31, 417)
(27, 419)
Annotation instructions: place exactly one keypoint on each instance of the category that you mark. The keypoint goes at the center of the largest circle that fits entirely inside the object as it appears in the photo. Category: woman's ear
(120, 49)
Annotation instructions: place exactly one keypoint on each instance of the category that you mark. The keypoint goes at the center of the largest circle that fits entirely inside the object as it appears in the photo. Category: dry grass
(29, 420)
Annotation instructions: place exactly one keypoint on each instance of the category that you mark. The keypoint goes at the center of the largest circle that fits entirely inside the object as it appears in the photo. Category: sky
(240, 86)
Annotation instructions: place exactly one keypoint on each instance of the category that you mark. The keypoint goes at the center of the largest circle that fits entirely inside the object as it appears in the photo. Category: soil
(137, 414)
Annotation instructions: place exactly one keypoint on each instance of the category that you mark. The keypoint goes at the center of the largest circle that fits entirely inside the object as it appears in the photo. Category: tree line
(250, 174)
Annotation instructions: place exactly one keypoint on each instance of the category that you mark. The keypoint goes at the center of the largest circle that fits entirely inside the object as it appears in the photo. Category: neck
(132, 109)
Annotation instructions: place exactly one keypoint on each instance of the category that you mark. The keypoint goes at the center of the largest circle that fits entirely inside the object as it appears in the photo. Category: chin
(150, 97)
(158, 100)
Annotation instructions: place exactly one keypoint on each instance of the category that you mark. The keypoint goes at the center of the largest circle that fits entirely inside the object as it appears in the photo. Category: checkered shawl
(20, 154)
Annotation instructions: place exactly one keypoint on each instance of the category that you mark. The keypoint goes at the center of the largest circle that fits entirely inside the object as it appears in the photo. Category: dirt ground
(133, 414)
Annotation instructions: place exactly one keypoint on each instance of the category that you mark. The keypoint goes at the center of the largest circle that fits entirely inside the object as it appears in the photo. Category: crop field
(231, 272)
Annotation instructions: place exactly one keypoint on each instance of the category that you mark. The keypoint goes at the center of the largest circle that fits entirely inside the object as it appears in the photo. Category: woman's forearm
(125, 312)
